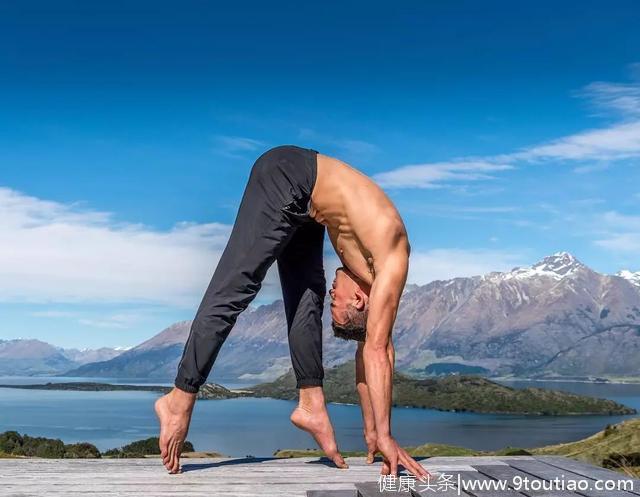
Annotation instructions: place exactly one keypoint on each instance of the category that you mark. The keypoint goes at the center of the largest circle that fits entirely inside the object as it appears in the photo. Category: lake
(258, 427)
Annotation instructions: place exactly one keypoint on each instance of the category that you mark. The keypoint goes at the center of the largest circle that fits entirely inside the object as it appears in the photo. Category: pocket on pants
(297, 207)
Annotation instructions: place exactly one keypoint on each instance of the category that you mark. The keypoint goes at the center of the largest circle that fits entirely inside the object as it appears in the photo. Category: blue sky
(502, 131)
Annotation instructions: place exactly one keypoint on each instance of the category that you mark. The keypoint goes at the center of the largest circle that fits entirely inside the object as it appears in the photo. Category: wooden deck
(300, 477)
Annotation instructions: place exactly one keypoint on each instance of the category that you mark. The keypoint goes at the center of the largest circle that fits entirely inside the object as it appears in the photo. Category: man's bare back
(362, 223)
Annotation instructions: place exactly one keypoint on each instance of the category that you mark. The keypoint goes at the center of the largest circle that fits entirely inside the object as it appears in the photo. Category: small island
(456, 393)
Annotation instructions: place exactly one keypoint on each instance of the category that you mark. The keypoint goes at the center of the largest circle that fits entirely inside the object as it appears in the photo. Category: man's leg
(260, 232)
(301, 271)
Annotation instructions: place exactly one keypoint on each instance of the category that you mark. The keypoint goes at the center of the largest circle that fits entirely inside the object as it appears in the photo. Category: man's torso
(362, 222)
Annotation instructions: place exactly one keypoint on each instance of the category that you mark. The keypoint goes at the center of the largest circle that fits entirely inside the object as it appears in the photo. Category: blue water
(239, 427)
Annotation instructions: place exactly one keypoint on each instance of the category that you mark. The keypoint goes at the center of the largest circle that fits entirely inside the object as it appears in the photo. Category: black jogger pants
(272, 224)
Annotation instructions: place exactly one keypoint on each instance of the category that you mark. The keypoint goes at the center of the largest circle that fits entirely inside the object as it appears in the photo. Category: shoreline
(632, 380)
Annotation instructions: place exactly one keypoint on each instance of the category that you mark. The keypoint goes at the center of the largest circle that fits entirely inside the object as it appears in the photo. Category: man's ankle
(311, 398)
(181, 399)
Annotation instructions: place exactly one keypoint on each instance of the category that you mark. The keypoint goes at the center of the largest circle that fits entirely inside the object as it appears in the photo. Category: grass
(616, 447)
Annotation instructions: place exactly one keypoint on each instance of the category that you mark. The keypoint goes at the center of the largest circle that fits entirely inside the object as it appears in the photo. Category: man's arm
(368, 421)
(384, 298)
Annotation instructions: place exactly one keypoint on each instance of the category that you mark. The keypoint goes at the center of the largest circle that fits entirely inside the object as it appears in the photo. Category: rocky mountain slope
(555, 318)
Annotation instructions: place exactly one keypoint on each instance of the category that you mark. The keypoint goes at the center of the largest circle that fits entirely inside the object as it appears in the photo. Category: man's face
(344, 291)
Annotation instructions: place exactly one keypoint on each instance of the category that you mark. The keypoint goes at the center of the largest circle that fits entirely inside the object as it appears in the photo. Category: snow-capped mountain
(556, 317)
(633, 278)
(557, 266)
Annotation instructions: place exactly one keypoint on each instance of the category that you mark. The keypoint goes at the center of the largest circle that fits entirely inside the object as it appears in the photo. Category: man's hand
(393, 454)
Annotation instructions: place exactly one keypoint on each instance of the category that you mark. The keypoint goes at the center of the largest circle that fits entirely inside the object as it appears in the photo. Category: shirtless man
(291, 195)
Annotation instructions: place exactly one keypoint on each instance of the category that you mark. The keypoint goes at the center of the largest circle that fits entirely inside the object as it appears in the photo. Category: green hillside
(451, 393)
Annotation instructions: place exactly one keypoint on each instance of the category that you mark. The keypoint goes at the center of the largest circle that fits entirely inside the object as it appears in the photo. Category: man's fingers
(393, 463)
(412, 465)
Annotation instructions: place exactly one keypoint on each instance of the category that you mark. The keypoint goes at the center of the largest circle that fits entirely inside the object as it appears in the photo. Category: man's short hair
(355, 327)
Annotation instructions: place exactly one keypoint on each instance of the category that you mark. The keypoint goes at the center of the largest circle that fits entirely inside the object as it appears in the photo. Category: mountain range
(556, 318)
(22, 357)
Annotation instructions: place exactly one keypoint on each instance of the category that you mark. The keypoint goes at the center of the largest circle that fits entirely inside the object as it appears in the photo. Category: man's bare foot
(316, 422)
(174, 412)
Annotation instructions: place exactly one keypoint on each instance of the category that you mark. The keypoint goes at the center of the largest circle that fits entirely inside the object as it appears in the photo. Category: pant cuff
(182, 385)
(309, 382)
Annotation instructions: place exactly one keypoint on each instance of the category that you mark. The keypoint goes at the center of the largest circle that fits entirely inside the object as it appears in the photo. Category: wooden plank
(522, 482)
(332, 493)
(589, 470)
(372, 489)
(252, 477)
(549, 472)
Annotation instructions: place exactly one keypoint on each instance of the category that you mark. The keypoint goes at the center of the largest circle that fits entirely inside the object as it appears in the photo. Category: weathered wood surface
(299, 477)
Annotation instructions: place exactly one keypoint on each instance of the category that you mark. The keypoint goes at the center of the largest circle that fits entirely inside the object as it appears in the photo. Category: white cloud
(55, 252)
(447, 263)
(621, 242)
(434, 174)
(621, 141)
(122, 321)
(621, 232)
(618, 98)
(616, 142)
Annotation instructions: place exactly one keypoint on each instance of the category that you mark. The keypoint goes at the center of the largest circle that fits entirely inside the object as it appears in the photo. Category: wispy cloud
(357, 148)
(446, 263)
(593, 149)
(349, 148)
(435, 174)
(121, 320)
(621, 141)
(618, 232)
(237, 146)
(614, 98)
(621, 242)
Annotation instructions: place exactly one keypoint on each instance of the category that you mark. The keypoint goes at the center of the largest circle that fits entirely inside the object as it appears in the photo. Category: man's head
(349, 305)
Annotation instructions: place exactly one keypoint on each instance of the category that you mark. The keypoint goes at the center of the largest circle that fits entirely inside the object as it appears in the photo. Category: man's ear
(360, 299)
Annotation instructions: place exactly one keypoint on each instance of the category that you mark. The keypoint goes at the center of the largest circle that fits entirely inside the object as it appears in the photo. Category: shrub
(141, 448)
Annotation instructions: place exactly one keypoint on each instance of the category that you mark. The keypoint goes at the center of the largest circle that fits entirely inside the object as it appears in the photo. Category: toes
(170, 463)
(370, 458)
(176, 459)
